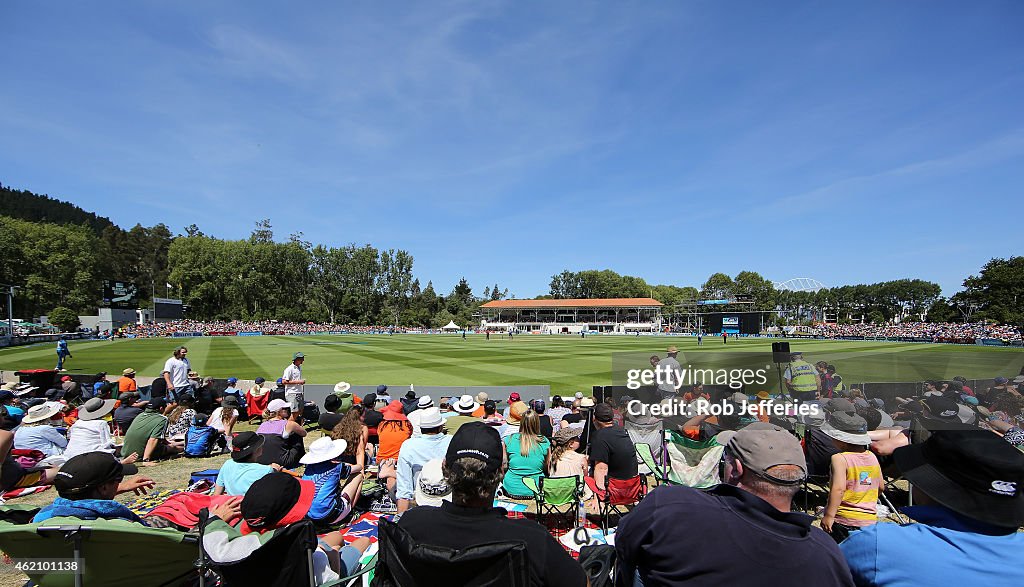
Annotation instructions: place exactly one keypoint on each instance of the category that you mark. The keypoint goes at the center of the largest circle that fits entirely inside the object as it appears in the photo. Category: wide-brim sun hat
(849, 428)
(587, 402)
(324, 449)
(41, 413)
(394, 411)
(95, 409)
(342, 387)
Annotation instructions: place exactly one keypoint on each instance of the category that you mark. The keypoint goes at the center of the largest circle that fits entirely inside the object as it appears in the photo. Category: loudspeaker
(599, 394)
(780, 352)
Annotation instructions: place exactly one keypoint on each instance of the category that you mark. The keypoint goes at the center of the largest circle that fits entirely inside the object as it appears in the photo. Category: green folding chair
(552, 494)
(106, 551)
(643, 450)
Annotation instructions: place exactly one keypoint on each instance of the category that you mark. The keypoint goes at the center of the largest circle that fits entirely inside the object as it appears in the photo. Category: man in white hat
(464, 409)
(424, 402)
(417, 451)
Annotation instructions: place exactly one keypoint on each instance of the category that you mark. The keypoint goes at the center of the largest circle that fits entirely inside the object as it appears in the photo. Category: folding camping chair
(690, 462)
(286, 560)
(643, 450)
(554, 493)
(107, 551)
(617, 495)
(403, 562)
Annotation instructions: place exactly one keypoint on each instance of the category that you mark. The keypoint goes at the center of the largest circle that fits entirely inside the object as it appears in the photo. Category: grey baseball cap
(761, 446)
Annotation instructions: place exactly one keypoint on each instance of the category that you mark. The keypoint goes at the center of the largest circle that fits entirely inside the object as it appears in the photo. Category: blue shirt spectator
(943, 548)
(970, 484)
(44, 438)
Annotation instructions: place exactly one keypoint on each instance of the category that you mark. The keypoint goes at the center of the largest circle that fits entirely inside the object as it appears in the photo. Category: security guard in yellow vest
(802, 379)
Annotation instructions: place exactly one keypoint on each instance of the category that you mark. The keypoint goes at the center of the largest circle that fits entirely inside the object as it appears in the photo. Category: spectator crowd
(936, 332)
(441, 467)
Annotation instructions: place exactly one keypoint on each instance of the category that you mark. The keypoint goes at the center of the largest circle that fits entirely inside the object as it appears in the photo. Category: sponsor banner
(172, 301)
(991, 342)
(250, 334)
(222, 333)
(186, 334)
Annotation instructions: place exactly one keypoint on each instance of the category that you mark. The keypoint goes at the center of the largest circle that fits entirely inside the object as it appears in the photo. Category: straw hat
(128, 371)
(342, 387)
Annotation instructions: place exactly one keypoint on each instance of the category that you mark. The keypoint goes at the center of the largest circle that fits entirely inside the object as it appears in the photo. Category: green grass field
(565, 363)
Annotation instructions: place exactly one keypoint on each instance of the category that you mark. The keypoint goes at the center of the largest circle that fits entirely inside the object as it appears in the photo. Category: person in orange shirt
(393, 430)
(481, 398)
(127, 381)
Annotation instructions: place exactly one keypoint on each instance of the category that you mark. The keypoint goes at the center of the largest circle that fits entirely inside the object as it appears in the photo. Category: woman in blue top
(331, 503)
(527, 454)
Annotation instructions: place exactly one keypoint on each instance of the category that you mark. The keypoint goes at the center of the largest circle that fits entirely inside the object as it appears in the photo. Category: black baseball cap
(941, 408)
(275, 500)
(603, 413)
(479, 441)
(243, 444)
(970, 471)
(157, 404)
(86, 471)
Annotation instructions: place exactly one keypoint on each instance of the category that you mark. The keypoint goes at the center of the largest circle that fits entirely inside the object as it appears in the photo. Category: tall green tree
(998, 291)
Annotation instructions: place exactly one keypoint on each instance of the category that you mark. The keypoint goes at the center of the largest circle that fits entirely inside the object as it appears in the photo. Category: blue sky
(507, 141)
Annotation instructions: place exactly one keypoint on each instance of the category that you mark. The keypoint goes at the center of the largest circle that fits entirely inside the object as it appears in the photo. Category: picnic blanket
(145, 504)
(23, 492)
(183, 508)
(365, 526)
(562, 535)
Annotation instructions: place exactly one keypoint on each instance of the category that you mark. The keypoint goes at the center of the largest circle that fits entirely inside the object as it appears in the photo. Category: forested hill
(25, 205)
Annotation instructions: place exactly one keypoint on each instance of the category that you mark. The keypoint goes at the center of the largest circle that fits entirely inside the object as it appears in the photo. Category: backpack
(199, 441)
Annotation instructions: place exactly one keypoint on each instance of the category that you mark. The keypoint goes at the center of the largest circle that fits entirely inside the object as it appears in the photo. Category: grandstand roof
(574, 303)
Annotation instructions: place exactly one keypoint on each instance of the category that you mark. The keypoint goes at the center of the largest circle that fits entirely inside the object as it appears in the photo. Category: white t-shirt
(216, 420)
(88, 436)
(178, 368)
(666, 366)
(292, 373)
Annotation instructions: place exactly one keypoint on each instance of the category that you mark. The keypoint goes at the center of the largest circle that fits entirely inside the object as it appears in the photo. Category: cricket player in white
(293, 382)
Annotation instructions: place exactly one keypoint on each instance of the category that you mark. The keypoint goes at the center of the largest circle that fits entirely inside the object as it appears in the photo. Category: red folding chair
(617, 496)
